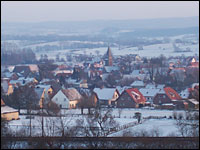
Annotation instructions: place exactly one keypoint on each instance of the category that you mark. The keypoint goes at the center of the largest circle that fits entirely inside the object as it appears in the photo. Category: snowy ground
(165, 126)
(148, 51)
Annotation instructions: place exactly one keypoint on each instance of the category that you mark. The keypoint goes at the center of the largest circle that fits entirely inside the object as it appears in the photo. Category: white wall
(61, 99)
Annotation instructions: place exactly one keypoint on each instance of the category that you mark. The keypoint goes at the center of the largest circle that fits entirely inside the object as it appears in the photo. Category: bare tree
(98, 124)
(188, 127)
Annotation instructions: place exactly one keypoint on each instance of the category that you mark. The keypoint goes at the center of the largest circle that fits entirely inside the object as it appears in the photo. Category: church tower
(108, 57)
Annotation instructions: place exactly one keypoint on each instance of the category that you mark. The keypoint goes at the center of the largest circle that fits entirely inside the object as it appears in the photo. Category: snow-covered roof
(121, 89)
(149, 92)
(7, 109)
(11, 68)
(72, 81)
(16, 81)
(137, 83)
(185, 93)
(193, 101)
(111, 68)
(104, 76)
(161, 91)
(21, 80)
(104, 93)
(39, 92)
(63, 71)
(45, 80)
(8, 74)
(195, 84)
(168, 104)
(34, 68)
(135, 72)
(4, 85)
(160, 86)
(46, 87)
(150, 86)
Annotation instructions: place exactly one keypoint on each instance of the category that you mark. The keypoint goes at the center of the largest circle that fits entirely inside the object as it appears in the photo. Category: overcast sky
(37, 11)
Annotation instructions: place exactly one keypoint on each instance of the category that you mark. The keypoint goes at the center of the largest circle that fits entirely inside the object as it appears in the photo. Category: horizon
(50, 21)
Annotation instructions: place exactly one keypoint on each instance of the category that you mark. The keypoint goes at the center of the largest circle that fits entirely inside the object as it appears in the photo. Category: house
(131, 98)
(138, 84)
(166, 96)
(192, 104)
(25, 70)
(23, 81)
(73, 96)
(61, 99)
(67, 98)
(64, 73)
(106, 96)
(161, 98)
(8, 113)
(48, 88)
(180, 104)
(172, 94)
(10, 75)
(149, 94)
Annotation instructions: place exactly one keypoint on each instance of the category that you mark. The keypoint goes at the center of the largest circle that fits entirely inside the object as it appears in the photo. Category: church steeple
(109, 57)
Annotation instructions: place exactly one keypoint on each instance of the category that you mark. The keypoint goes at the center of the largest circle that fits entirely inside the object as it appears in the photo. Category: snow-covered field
(148, 51)
(165, 126)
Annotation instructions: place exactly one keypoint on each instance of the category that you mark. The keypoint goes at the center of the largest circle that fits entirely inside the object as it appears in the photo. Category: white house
(67, 98)
(60, 99)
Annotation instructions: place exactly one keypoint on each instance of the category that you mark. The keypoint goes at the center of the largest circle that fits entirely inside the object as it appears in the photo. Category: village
(126, 82)
(131, 89)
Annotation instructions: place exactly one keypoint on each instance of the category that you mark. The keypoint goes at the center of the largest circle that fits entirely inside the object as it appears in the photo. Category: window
(56, 99)
(163, 96)
(64, 99)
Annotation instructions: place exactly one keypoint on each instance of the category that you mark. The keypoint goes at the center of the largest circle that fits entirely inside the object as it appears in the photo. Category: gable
(59, 95)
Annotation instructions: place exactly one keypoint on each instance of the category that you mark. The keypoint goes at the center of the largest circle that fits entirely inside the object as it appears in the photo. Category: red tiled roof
(136, 95)
(172, 94)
